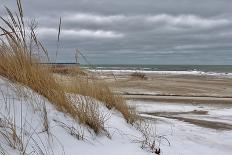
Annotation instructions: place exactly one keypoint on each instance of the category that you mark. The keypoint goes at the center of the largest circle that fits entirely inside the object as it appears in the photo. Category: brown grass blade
(58, 39)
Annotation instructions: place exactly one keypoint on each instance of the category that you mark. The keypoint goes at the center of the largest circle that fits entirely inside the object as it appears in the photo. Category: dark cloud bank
(135, 31)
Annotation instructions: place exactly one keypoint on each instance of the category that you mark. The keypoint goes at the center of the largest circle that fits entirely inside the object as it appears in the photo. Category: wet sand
(181, 99)
(212, 116)
(198, 122)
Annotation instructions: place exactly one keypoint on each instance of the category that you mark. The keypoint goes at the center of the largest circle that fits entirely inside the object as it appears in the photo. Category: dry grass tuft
(149, 140)
(101, 92)
(73, 131)
(15, 64)
(67, 70)
(18, 135)
(139, 76)
(10, 135)
(18, 65)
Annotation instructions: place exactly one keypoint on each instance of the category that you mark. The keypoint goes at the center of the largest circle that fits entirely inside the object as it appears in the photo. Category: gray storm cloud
(131, 31)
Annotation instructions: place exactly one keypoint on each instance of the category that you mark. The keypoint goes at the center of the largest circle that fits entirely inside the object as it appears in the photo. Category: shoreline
(153, 72)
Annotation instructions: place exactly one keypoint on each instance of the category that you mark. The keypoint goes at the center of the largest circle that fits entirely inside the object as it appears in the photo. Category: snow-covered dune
(30, 124)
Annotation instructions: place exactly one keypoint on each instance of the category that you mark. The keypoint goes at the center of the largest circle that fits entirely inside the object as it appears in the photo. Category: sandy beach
(192, 111)
(172, 88)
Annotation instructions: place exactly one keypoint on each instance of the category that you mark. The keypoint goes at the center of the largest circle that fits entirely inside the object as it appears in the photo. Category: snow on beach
(25, 112)
(190, 138)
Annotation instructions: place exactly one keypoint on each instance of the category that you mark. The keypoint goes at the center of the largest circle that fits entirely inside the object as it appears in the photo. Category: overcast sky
(135, 31)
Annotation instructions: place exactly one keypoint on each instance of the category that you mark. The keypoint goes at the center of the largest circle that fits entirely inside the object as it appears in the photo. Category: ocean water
(187, 68)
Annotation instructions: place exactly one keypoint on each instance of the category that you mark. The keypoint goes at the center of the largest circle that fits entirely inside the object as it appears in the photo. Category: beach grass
(18, 64)
(67, 70)
(99, 90)
(138, 76)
